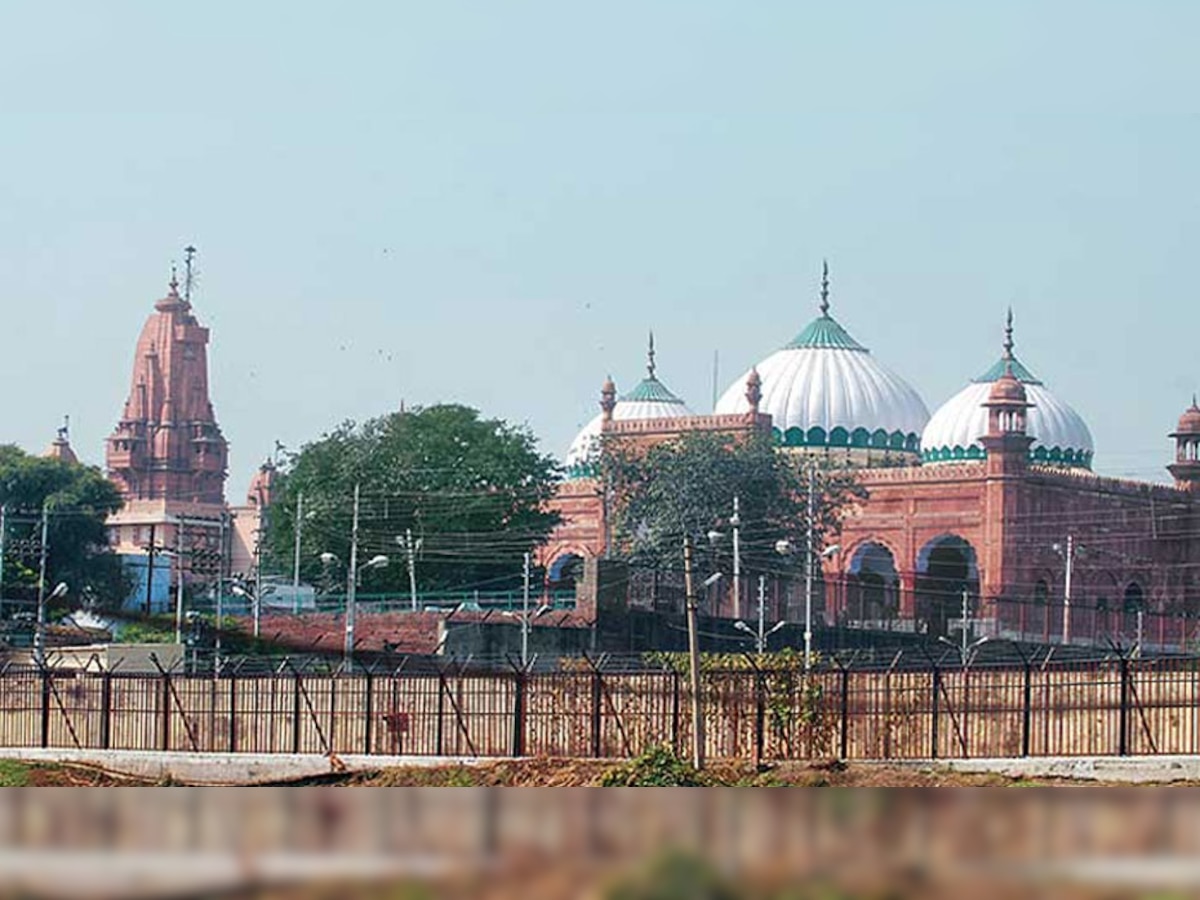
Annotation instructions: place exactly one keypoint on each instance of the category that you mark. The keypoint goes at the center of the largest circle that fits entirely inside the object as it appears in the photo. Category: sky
(492, 203)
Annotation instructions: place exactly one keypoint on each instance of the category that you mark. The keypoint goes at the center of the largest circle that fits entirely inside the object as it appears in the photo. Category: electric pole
(525, 615)
(1067, 589)
(693, 656)
(735, 521)
(39, 631)
(351, 578)
(410, 549)
(296, 555)
(808, 573)
(3, 542)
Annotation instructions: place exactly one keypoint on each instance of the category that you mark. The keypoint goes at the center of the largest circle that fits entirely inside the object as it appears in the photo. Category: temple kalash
(989, 503)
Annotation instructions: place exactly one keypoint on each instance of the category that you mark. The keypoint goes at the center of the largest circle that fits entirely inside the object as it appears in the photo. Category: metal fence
(1107, 707)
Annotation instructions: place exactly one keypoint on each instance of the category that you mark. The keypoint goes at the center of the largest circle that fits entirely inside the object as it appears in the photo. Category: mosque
(990, 502)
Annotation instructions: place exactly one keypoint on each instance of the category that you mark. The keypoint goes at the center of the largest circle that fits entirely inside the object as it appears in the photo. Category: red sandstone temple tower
(167, 445)
(167, 454)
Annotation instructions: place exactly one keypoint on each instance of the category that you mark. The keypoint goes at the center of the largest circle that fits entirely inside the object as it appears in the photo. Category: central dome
(825, 390)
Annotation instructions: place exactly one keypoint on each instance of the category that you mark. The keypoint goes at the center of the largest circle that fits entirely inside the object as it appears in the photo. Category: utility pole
(808, 574)
(258, 540)
(3, 542)
(39, 631)
(410, 549)
(351, 578)
(221, 538)
(762, 613)
(150, 551)
(1067, 590)
(179, 554)
(296, 555)
(735, 521)
(966, 624)
(525, 615)
(693, 657)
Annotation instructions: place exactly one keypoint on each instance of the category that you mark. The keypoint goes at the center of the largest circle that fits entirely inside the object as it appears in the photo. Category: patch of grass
(13, 773)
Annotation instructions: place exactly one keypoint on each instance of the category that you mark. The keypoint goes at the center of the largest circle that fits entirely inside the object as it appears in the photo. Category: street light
(760, 642)
(715, 537)
(353, 574)
(525, 617)
(785, 548)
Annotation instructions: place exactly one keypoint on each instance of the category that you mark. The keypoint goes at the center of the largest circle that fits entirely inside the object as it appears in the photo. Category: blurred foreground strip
(148, 843)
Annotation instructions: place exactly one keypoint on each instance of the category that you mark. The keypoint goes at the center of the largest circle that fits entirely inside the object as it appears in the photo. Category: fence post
(439, 731)
(1123, 720)
(518, 724)
(933, 728)
(597, 721)
(370, 711)
(45, 707)
(844, 737)
(760, 715)
(1027, 711)
(233, 713)
(296, 713)
(105, 710)
(165, 690)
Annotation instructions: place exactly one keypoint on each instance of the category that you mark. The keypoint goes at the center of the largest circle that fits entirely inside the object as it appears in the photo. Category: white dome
(649, 400)
(1061, 437)
(824, 389)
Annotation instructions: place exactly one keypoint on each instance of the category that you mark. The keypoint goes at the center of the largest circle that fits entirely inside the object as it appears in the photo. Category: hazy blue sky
(491, 202)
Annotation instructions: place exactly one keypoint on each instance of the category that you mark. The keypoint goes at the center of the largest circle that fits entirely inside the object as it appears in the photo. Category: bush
(658, 766)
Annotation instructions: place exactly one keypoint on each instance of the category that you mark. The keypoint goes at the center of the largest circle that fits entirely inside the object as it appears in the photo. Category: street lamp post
(760, 637)
(1068, 553)
(785, 548)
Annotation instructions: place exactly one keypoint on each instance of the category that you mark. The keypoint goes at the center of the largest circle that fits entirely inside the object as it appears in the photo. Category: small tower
(1006, 441)
(60, 449)
(1186, 468)
(754, 390)
(608, 398)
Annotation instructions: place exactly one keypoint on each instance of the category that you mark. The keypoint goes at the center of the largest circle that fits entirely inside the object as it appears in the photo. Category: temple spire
(650, 357)
(189, 277)
(825, 287)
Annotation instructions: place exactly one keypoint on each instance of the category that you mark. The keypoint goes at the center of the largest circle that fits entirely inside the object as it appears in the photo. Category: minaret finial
(64, 433)
(650, 356)
(173, 284)
(1008, 342)
(825, 287)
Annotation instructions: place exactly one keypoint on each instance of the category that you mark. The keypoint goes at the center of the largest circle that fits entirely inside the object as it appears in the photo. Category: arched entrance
(564, 572)
(946, 566)
(1133, 607)
(872, 587)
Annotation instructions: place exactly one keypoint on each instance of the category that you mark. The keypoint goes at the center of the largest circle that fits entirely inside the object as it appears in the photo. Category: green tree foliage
(78, 499)
(471, 490)
(688, 485)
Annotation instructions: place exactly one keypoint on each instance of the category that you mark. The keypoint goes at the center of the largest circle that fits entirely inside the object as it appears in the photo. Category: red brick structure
(998, 505)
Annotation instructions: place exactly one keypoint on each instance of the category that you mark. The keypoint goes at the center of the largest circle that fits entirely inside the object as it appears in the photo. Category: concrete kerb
(1120, 769)
(224, 768)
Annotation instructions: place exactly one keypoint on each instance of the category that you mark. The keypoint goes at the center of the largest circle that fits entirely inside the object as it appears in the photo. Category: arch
(564, 571)
(879, 439)
(860, 437)
(793, 437)
(1133, 605)
(946, 566)
(839, 437)
(816, 436)
(872, 585)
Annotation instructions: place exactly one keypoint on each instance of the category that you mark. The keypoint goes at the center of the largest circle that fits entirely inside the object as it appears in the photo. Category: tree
(687, 486)
(78, 499)
(472, 492)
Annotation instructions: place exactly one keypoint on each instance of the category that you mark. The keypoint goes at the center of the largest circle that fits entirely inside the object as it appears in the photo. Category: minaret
(1186, 468)
(167, 444)
(1006, 441)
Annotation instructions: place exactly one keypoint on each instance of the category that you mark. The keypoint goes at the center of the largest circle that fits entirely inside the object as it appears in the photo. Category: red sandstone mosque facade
(991, 497)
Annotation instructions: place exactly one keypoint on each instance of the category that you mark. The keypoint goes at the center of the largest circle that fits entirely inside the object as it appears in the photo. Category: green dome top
(824, 332)
(1019, 371)
(651, 390)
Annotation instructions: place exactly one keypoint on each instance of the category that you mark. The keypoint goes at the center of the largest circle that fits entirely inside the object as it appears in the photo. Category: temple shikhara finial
(824, 287)
(189, 273)
(650, 357)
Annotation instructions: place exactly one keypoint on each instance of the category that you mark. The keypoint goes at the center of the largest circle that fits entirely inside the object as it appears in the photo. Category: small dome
(1189, 422)
(1061, 437)
(824, 389)
(1007, 389)
(650, 399)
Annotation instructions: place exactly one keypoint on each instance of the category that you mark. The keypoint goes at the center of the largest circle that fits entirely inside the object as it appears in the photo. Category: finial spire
(825, 287)
(173, 284)
(1008, 342)
(64, 433)
(650, 356)
(189, 274)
